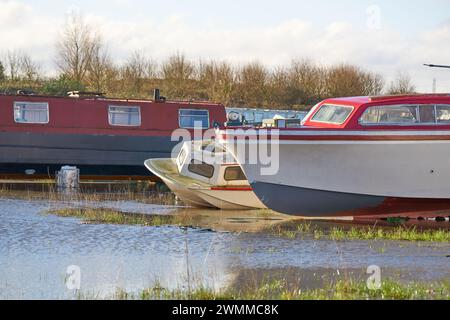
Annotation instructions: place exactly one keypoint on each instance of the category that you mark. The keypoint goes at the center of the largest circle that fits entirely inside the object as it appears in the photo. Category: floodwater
(37, 248)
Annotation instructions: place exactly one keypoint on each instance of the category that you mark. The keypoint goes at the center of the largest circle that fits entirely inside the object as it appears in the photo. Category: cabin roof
(113, 100)
(409, 98)
(431, 96)
(353, 101)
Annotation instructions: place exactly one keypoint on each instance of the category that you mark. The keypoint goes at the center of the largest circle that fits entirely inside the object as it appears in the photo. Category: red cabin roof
(360, 104)
(444, 96)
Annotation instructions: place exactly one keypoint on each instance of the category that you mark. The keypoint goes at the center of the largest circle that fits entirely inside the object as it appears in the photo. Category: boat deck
(168, 168)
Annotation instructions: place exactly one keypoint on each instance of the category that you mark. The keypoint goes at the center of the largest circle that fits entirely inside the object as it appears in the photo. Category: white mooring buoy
(68, 178)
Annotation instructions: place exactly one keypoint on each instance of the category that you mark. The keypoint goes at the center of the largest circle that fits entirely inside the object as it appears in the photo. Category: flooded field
(129, 241)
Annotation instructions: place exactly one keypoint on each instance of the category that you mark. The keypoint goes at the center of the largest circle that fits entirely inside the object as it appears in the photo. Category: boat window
(401, 114)
(124, 116)
(427, 114)
(332, 114)
(443, 113)
(31, 112)
(234, 174)
(188, 118)
(211, 146)
(309, 113)
(202, 169)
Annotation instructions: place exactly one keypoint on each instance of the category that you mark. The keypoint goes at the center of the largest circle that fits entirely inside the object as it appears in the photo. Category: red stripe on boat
(350, 138)
(231, 189)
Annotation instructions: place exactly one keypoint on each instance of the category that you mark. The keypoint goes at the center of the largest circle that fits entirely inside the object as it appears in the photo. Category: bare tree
(348, 80)
(29, 69)
(20, 67)
(76, 47)
(278, 88)
(216, 80)
(402, 85)
(178, 73)
(342, 81)
(101, 69)
(13, 61)
(2, 72)
(372, 84)
(137, 70)
(306, 82)
(252, 84)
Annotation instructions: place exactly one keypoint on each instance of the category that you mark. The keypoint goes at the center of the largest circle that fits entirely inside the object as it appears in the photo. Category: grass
(265, 213)
(141, 192)
(398, 233)
(109, 216)
(278, 290)
(390, 290)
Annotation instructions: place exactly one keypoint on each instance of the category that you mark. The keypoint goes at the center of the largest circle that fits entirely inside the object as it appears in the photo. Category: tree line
(85, 64)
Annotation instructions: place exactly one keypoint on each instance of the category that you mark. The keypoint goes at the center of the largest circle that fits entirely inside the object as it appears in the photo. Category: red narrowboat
(105, 138)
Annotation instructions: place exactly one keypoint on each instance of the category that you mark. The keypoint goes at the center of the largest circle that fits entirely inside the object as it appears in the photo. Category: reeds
(278, 289)
(397, 233)
(110, 216)
(47, 191)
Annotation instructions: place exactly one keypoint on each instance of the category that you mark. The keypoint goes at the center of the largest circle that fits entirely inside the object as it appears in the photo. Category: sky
(383, 36)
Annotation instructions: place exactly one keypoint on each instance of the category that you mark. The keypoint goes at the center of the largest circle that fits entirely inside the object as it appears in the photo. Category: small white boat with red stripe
(205, 175)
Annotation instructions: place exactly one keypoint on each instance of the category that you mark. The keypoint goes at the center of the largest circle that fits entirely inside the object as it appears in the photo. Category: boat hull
(318, 203)
(95, 155)
(355, 177)
(37, 171)
(187, 196)
(163, 169)
(231, 199)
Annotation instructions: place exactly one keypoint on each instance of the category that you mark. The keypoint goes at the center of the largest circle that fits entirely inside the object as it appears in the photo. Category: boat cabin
(75, 113)
(210, 163)
(425, 111)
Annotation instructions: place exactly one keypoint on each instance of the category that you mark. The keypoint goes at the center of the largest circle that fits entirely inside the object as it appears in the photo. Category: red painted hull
(406, 207)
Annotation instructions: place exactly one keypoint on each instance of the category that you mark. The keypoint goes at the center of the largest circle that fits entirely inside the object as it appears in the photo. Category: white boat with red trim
(358, 156)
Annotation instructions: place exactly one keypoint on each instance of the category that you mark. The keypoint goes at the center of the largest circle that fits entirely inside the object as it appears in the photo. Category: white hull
(419, 169)
(318, 177)
(199, 194)
(230, 199)
(157, 166)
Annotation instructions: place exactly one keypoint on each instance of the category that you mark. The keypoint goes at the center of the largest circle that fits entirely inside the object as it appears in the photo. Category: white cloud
(385, 51)
(22, 29)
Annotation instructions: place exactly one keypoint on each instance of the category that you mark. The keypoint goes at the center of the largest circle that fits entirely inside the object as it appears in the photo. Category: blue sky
(406, 16)
(397, 37)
